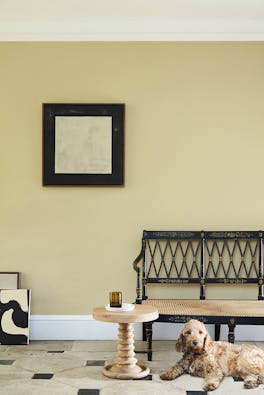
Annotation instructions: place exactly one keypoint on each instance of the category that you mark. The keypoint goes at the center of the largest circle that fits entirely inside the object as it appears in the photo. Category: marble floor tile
(43, 345)
(39, 387)
(86, 355)
(96, 345)
(11, 372)
(83, 377)
(141, 388)
(48, 363)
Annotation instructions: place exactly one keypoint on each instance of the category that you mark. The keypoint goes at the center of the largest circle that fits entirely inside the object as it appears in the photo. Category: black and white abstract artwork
(14, 316)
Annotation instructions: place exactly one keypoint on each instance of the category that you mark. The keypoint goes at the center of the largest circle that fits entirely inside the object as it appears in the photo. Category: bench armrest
(137, 268)
(137, 261)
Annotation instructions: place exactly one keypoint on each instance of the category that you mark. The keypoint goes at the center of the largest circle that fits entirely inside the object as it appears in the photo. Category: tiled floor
(75, 368)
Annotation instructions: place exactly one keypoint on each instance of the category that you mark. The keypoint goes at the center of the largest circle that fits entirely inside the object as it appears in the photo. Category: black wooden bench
(201, 258)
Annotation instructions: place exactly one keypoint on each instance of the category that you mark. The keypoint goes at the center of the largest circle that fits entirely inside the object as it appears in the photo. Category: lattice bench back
(201, 258)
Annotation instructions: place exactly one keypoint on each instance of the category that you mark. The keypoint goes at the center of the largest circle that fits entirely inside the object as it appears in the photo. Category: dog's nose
(195, 342)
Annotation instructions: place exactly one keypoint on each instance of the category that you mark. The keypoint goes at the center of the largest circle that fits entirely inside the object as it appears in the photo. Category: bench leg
(217, 332)
(231, 332)
(144, 332)
(149, 339)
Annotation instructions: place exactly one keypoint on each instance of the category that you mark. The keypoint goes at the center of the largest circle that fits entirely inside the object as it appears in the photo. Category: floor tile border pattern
(42, 376)
(7, 361)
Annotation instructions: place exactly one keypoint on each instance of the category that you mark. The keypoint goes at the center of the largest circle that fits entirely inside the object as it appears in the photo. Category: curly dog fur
(214, 360)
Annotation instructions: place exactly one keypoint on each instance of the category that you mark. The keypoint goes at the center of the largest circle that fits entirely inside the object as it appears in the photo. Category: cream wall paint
(193, 159)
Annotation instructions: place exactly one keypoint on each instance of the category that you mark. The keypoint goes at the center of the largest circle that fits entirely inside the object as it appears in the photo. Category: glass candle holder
(115, 299)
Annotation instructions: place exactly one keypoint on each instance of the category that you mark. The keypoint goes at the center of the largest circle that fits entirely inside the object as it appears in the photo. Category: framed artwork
(9, 280)
(14, 316)
(83, 144)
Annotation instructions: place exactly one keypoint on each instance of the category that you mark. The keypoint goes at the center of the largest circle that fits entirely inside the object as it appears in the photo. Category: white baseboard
(80, 327)
(74, 327)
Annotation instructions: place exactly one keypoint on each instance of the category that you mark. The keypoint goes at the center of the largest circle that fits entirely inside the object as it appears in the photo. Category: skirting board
(80, 327)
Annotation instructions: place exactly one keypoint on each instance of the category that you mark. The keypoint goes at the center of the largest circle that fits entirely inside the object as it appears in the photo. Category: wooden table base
(125, 366)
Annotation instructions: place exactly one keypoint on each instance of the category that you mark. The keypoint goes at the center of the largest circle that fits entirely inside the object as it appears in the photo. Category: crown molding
(134, 29)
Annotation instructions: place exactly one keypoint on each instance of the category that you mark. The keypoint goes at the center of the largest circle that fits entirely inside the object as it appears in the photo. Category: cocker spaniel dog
(214, 360)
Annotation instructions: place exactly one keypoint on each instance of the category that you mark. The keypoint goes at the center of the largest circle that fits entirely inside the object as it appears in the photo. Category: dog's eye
(187, 332)
(200, 332)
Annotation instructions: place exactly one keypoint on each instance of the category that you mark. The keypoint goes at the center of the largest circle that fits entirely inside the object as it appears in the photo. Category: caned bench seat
(207, 308)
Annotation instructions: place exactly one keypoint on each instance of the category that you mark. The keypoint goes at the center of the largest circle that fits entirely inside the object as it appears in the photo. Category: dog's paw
(210, 386)
(166, 376)
(250, 384)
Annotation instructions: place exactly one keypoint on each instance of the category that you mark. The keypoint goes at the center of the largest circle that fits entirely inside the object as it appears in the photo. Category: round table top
(140, 313)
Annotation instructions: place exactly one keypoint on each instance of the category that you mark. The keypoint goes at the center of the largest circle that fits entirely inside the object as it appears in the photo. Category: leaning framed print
(83, 144)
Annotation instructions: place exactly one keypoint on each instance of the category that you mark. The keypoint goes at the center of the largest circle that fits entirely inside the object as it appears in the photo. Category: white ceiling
(121, 20)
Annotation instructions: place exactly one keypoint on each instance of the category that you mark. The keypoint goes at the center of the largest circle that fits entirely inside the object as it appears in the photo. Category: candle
(115, 299)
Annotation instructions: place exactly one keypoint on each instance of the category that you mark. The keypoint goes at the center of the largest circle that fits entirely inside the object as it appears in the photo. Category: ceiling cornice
(167, 20)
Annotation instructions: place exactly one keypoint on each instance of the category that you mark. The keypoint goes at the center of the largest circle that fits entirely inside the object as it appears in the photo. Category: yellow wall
(193, 159)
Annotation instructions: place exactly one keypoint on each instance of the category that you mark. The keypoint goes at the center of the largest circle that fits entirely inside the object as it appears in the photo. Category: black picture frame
(83, 136)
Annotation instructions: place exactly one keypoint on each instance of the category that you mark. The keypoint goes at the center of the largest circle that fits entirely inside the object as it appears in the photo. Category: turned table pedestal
(126, 365)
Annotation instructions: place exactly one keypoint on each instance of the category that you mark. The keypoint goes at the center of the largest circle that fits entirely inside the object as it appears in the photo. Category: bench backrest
(171, 257)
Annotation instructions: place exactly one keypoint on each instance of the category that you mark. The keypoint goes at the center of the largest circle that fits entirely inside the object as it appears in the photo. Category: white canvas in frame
(8, 280)
(83, 145)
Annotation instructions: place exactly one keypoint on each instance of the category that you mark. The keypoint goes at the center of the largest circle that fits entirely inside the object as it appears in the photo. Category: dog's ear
(179, 344)
(207, 341)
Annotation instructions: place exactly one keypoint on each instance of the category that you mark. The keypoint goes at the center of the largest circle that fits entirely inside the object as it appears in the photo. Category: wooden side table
(126, 365)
